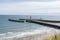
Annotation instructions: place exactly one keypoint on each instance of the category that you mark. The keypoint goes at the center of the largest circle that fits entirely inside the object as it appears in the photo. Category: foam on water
(16, 35)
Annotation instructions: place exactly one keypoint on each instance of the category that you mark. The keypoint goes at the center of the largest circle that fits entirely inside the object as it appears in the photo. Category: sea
(9, 30)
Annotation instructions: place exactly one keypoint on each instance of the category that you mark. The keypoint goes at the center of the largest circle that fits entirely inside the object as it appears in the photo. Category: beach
(51, 34)
(44, 36)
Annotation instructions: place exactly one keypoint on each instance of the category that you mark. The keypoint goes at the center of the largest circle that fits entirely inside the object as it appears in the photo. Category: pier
(52, 21)
(14, 20)
(42, 22)
(47, 24)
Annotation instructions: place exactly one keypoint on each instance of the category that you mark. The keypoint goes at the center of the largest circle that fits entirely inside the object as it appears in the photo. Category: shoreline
(45, 36)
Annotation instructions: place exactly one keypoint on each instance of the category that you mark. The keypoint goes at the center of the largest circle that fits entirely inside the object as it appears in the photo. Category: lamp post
(30, 18)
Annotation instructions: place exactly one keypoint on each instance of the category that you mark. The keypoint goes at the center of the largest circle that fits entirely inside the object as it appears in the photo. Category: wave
(18, 35)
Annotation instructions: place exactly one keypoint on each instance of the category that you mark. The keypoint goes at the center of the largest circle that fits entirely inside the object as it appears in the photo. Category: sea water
(9, 30)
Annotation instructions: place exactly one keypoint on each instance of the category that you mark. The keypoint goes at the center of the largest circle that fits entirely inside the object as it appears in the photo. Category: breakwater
(38, 22)
(13, 20)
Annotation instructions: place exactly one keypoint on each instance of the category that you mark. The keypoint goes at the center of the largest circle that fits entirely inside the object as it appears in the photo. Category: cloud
(15, 7)
(30, 7)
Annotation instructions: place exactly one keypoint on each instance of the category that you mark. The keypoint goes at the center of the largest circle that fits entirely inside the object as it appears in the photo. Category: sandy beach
(44, 36)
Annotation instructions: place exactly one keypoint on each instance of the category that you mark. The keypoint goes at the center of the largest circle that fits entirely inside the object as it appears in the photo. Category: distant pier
(14, 20)
(41, 22)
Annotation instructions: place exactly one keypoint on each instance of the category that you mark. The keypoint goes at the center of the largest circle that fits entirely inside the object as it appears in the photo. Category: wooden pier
(42, 22)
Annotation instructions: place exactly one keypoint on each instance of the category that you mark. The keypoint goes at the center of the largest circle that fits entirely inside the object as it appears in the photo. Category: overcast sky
(29, 7)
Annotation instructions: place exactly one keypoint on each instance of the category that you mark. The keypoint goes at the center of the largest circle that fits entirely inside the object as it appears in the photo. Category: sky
(29, 7)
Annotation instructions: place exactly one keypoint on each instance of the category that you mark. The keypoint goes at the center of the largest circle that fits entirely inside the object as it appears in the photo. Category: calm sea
(13, 29)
